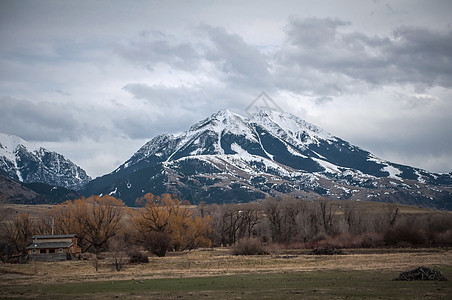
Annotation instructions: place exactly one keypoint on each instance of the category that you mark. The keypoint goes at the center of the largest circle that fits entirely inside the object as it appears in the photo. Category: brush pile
(421, 273)
(326, 251)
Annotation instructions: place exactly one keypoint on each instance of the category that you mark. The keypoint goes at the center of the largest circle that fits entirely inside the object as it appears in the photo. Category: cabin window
(51, 250)
(42, 251)
(61, 250)
(34, 250)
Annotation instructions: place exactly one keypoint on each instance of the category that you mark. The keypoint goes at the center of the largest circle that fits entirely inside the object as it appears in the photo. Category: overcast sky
(95, 80)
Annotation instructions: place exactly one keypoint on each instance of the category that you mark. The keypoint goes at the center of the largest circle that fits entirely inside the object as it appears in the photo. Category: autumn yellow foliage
(95, 219)
(167, 215)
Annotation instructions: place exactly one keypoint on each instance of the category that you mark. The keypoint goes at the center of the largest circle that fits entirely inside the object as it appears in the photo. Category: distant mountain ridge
(26, 162)
(15, 192)
(231, 158)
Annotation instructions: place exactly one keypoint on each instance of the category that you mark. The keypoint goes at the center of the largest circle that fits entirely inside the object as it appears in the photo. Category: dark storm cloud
(43, 121)
(321, 56)
(238, 63)
(422, 56)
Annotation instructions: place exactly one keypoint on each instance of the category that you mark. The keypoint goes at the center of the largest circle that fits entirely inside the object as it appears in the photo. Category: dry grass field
(360, 267)
(41, 209)
(216, 262)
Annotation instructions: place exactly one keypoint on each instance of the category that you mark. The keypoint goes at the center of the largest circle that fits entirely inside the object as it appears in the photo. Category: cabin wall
(49, 257)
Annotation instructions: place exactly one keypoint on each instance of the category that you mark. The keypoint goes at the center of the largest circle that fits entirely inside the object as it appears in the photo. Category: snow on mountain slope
(231, 158)
(286, 125)
(27, 162)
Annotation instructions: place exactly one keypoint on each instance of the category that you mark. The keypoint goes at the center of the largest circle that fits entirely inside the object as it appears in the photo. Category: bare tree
(102, 218)
(18, 232)
(3, 201)
(250, 218)
(308, 221)
(392, 214)
(232, 219)
(291, 208)
(44, 225)
(118, 252)
(352, 217)
(326, 213)
(272, 210)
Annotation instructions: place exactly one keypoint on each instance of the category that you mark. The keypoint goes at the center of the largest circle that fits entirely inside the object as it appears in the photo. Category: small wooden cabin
(54, 247)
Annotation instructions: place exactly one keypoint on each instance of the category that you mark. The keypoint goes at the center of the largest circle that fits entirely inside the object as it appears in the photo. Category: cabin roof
(57, 236)
(45, 245)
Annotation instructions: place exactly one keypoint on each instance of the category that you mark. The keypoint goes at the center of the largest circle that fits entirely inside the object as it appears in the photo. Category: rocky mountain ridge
(26, 162)
(231, 158)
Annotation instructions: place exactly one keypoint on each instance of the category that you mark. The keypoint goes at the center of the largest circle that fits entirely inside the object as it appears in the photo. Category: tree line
(165, 223)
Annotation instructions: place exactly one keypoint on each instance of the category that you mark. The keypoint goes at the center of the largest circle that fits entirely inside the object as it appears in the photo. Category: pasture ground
(215, 274)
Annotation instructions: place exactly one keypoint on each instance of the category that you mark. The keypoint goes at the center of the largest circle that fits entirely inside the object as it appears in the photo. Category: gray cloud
(323, 100)
(43, 121)
(422, 56)
(237, 62)
(173, 109)
(405, 139)
(322, 57)
(102, 72)
(154, 47)
(162, 95)
(170, 109)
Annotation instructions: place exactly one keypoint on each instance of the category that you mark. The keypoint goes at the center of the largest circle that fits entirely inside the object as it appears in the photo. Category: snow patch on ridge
(295, 153)
(393, 172)
(327, 165)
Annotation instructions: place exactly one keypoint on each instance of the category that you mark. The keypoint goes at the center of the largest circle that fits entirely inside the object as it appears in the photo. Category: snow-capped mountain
(27, 162)
(231, 158)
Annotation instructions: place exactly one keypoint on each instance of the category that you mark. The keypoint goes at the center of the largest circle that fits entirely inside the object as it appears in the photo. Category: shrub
(6, 252)
(326, 251)
(371, 240)
(407, 234)
(158, 243)
(138, 257)
(443, 239)
(249, 246)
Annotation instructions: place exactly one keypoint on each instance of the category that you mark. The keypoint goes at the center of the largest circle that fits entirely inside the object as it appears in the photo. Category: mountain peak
(28, 162)
(219, 121)
(290, 124)
(9, 143)
(223, 114)
(230, 158)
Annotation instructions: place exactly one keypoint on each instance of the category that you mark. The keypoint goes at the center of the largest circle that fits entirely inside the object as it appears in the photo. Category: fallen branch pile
(421, 273)
(326, 251)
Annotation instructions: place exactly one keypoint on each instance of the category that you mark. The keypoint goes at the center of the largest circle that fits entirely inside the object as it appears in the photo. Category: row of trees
(300, 223)
(105, 223)
(95, 220)
(165, 223)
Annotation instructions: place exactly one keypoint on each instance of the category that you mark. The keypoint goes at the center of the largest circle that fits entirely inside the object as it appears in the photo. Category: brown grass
(219, 262)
